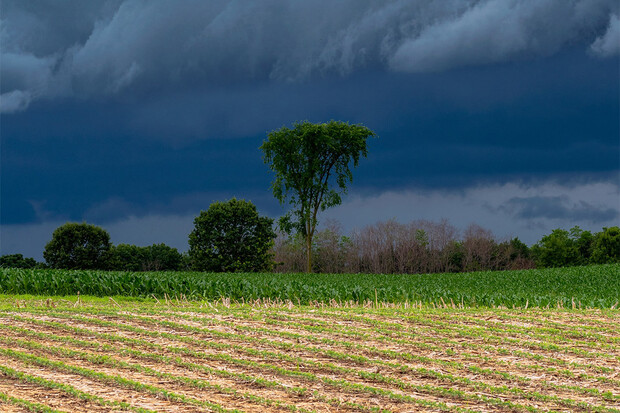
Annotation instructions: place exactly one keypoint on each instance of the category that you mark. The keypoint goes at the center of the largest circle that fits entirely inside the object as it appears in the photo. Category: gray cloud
(14, 101)
(559, 208)
(512, 209)
(103, 48)
(608, 44)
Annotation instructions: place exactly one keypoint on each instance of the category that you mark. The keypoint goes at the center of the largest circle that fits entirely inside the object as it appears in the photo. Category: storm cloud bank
(101, 49)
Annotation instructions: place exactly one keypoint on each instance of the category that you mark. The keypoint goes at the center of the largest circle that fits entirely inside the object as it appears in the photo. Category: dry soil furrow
(575, 332)
(423, 330)
(106, 391)
(240, 384)
(591, 318)
(346, 394)
(319, 355)
(415, 379)
(532, 386)
(459, 344)
(12, 408)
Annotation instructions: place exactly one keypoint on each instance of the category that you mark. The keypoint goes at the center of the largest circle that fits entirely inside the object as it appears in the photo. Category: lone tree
(78, 247)
(312, 166)
(230, 237)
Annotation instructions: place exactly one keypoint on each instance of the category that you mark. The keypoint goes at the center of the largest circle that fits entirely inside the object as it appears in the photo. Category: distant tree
(519, 249)
(520, 256)
(583, 242)
(78, 246)
(231, 237)
(606, 246)
(479, 245)
(557, 249)
(161, 257)
(126, 257)
(157, 257)
(17, 261)
(312, 166)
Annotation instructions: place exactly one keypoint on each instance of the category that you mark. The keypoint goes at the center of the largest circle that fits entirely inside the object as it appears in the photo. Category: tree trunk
(309, 252)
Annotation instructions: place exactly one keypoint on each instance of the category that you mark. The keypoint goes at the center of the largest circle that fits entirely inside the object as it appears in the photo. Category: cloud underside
(104, 48)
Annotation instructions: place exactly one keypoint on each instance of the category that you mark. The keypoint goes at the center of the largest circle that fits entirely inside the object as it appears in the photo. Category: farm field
(87, 354)
(594, 286)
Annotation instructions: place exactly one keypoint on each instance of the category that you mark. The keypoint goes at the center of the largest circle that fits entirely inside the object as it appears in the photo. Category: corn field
(595, 286)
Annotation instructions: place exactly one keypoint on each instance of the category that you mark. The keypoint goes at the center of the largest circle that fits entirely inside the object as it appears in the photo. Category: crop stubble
(196, 357)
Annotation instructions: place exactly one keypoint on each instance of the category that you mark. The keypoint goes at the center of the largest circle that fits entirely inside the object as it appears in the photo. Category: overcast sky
(135, 115)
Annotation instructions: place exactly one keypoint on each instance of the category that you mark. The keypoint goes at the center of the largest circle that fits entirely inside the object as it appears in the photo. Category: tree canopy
(231, 237)
(312, 164)
(78, 246)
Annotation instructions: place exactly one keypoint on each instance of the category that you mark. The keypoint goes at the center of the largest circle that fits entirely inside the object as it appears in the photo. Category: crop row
(576, 287)
(302, 358)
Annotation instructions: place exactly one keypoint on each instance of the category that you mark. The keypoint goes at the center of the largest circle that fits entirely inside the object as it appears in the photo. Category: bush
(231, 237)
(18, 261)
(78, 247)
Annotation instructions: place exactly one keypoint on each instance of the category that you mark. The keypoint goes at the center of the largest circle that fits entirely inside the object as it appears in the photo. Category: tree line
(434, 247)
(232, 237)
(312, 166)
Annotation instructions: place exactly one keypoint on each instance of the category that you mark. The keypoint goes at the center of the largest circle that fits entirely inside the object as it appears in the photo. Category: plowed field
(102, 356)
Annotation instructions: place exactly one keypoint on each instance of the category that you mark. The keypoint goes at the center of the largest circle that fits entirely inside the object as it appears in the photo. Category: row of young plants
(305, 335)
(340, 386)
(454, 380)
(576, 287)
(601, 347)
(418, 342)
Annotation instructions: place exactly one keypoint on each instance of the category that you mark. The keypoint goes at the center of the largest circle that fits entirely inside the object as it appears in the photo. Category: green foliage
(161, 257)
(231, 237)
(126, 257)
(595, 286)
(17, 261)
(583, 242)
(577, 247)
(557, 249)
(606, 246)
(519, 249)
(312, 168)
(158, 257)
(78, 246)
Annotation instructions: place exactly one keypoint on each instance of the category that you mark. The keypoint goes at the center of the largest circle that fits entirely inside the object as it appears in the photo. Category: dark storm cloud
(558, 208)
(106, 48)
